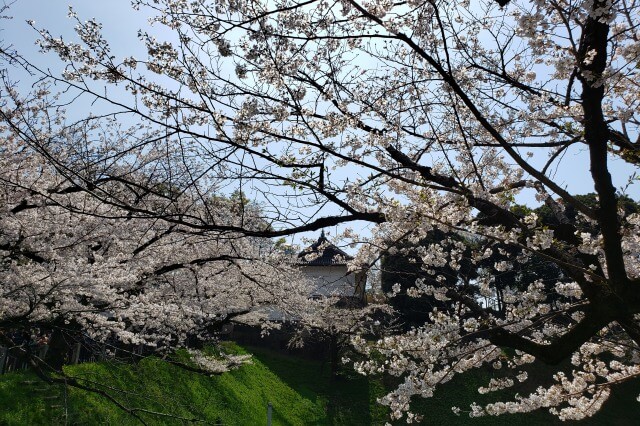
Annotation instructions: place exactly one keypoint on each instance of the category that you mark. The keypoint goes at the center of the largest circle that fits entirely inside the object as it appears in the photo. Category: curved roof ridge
(323, 253)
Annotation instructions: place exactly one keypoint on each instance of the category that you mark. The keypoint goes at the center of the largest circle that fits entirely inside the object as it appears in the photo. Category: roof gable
(323, 253)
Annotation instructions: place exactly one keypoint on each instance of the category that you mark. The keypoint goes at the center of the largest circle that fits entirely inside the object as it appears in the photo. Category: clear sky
(121, 24)
(120, 21)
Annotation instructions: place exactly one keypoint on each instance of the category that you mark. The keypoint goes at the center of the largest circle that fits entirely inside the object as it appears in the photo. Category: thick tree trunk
(58, 352)
(334, 355)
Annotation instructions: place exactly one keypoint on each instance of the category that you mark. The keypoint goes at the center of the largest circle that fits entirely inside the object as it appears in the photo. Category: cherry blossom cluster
(419, 118)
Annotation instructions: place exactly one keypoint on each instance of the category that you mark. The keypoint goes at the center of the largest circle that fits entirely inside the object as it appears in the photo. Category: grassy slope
(348, 400)
(621, 409)
(300, 390)
(303, 395)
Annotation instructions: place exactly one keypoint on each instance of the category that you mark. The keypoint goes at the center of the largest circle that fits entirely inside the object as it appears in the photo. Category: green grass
(621, 409)
(347, 400)
(301, 391)
(19, 404)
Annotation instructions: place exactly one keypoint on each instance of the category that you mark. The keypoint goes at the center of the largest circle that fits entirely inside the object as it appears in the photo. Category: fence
(13, 359)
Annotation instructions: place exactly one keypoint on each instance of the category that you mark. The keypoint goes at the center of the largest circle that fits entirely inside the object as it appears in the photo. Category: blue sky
(120, 21)
(121, 24)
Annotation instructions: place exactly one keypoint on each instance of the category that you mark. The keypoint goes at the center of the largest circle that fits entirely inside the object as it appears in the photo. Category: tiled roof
(323, 253)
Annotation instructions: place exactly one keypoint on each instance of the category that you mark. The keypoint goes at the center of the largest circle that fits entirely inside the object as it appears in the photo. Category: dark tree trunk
(58, 352)
(334, 355)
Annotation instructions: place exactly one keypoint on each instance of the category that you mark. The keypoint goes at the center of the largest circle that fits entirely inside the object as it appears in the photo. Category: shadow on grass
(351, 400)
(620, 410)
(302, 392)
(346, 399)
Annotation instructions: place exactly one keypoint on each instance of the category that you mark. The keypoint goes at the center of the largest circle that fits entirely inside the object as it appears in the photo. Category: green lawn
(621, 409)
(301, 391)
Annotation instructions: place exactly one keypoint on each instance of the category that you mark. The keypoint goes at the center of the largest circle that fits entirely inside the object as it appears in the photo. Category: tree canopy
(407, 116)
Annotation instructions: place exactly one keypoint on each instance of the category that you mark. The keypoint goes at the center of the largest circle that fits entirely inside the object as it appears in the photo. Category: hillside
(300, 390)
(305, 396)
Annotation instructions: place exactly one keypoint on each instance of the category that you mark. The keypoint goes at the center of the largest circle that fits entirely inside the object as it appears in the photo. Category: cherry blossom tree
(74, 267)
(408, 116)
